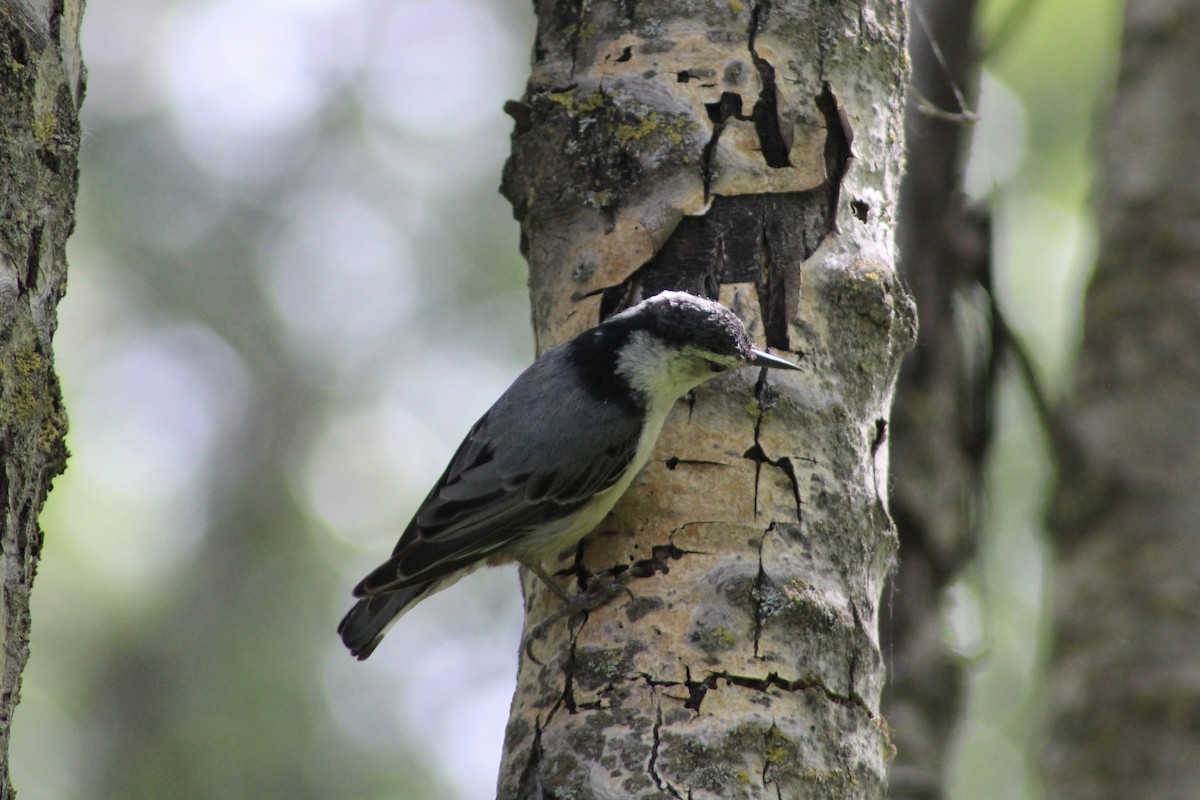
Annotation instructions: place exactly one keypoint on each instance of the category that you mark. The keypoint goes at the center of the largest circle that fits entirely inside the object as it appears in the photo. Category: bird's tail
(364, 626)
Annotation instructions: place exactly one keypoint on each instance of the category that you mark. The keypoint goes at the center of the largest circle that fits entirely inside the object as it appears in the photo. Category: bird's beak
(761, 358)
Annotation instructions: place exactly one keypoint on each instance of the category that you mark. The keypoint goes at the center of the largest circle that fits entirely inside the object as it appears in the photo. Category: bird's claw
(601, 591)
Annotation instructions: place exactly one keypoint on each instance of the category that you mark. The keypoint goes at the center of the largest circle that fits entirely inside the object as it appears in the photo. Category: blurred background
(293, 288)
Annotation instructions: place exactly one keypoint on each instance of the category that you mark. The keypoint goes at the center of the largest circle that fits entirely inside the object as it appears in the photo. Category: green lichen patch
(597, 666)
(673, 129)
(713, 639)
(575, 102)
(45, 126)
(593, 145)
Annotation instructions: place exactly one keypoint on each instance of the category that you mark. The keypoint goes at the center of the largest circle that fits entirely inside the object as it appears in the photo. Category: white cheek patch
(663, 373)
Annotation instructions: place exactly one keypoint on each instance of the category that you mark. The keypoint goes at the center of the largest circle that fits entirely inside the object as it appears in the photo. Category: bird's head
(672, 342)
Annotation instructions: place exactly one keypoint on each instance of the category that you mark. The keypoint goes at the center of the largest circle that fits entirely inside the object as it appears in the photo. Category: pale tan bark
(41, 87)
(663, 146)
(1125, 673)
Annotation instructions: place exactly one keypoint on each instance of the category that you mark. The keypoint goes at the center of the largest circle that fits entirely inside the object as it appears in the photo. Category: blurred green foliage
(1048, 72)
(293, 288)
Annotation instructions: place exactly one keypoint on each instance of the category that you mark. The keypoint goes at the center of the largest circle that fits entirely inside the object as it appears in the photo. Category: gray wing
(532, 459)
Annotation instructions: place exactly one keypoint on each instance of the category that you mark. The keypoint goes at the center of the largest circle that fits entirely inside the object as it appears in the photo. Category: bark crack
(696, 691)
(772, 283)
(658, 561)
(582, 574)
(568, 696)
(854, 653)
(33, 263)
(839, 141)
(575, 32)
(675, 461)
(774, 141)
(774, 680)
(530, 783)
(759, 592)
(880, 438)
(768, 736)
(727, 107)
(771, 136)
(652, 766)
(660, 554)
(760, 457)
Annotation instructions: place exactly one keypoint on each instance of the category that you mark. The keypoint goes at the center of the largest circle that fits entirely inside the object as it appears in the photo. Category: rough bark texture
(748, 152)
(943, 412)
(1124, 695)
(41, 86)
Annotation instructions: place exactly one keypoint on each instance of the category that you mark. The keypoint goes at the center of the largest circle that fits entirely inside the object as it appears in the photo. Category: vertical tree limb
(748, 152)
(1125, 671)
(41, 88)
(942, 420)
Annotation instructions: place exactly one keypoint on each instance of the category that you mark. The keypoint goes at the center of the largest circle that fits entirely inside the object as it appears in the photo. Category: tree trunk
(1124, 692)
(41, 87)
(942, 420)
(657, 148)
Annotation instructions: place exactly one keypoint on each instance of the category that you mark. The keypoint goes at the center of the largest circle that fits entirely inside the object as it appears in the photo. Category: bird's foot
(601, 591)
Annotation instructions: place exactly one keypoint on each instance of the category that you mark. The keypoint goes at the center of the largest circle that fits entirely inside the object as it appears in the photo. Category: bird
(548, 461)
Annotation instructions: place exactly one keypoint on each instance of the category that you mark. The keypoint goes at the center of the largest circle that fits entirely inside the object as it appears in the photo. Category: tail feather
(365, 625)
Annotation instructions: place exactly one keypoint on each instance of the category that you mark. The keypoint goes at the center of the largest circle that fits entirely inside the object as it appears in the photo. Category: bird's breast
(554, 538)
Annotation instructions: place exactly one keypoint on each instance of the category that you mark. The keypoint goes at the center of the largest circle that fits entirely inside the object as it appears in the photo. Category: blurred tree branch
(942, 420)
(1125, 672)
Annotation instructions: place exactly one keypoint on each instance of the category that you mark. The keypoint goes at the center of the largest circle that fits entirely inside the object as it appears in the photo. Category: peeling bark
(748, 153)
(1125, 672)
(41, 87)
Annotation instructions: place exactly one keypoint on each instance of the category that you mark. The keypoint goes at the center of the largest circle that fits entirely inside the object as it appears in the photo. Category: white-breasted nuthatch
(549, 460)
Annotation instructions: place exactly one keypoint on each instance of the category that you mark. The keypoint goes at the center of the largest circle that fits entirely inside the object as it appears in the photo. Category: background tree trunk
(942, 420)
(653, 150)
(41, 87)
(1125, 673)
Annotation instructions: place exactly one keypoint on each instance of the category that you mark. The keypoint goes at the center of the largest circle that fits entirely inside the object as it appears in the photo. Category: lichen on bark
(41, 86)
